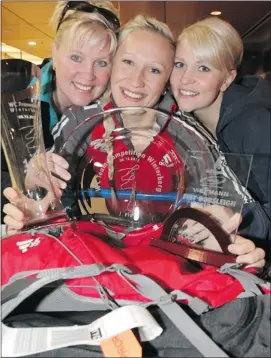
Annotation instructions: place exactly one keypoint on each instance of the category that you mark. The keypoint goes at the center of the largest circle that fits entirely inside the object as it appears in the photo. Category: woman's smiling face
(195, 82)
(141, 69)
(82, 72)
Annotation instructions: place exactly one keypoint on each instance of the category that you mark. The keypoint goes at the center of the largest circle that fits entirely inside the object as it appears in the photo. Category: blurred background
(26, 32)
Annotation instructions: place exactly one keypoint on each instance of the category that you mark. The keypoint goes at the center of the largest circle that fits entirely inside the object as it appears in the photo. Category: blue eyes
(153, 70)
(101, 63)
(204, 69)
(98, 63)
(201, 68)
(76, 58)
(178, 64)
(128, 62)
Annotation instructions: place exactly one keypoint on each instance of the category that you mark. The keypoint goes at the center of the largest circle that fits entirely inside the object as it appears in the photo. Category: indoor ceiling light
(32, 43)
(216, 13)
(13, 52)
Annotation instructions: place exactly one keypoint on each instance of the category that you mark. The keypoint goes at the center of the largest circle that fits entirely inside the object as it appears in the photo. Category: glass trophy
(212, 188)
(128, 175)
(135, 168)
(23, 144)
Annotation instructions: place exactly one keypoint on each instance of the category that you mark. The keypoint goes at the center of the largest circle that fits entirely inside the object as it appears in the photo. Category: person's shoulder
(247, 102)
(167, 103)
(253, 118)
(249, 131)
(250, 90)
(81, 113)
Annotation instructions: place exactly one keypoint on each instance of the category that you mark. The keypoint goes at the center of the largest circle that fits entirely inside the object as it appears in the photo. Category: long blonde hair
(216, 41)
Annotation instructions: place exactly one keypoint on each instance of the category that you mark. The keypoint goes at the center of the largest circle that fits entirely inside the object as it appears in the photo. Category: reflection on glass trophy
(213, 188)
(22, 142)
(128, 175)
(135, 168)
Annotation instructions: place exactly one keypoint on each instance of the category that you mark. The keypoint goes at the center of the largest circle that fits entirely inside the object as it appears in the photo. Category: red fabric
(170, 271)
(157, 171)
(148, 171)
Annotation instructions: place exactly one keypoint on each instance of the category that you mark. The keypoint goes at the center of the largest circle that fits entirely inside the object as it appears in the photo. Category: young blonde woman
(79, 70)
(141, 69)
(237, 114)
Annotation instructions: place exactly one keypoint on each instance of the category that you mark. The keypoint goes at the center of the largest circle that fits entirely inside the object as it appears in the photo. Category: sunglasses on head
(87, 7)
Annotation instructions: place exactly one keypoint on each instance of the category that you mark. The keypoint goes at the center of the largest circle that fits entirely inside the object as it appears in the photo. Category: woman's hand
(14, 218)
(37, 174)
(247, 252)
(196, 233)
(21, 209)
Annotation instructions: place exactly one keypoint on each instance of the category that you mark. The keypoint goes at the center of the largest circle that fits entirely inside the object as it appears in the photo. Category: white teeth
(188, 93)
(133, 95)
(82, 87)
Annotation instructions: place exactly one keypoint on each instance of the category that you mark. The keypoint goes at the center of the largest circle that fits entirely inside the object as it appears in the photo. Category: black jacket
(245, 127)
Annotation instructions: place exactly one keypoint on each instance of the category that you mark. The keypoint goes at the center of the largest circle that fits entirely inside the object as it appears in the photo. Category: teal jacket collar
(47, 90)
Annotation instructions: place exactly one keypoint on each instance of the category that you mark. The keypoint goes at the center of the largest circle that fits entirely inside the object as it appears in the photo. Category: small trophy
(209, 212)
(23, 144)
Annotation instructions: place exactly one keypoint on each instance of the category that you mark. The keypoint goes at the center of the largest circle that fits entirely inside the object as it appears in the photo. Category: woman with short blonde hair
(236, 113)
(216, 41)
(141, 22)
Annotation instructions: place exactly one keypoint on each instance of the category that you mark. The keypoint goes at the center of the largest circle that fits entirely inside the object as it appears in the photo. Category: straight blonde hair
(141, 22)
(215, 41)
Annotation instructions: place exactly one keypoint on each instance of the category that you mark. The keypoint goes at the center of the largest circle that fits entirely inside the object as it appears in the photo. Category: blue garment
(46, 92)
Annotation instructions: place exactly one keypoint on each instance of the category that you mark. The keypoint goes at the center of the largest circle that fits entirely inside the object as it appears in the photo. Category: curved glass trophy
(128, 174)
(23, 144)
(134, 167)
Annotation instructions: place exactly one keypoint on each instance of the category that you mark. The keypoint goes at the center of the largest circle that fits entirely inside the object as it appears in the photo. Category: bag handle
(186, 325)
(12, 299)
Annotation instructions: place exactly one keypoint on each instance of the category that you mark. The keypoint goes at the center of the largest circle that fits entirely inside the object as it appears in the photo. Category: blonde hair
(216, 41)
(141, 22)
(79, 26)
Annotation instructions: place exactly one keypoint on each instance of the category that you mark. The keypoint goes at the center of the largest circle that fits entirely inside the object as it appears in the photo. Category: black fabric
(15, 75)
(245, 127)
(241, 328)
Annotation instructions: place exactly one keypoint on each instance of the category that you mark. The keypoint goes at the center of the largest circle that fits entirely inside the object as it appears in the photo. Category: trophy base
(46, 221)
